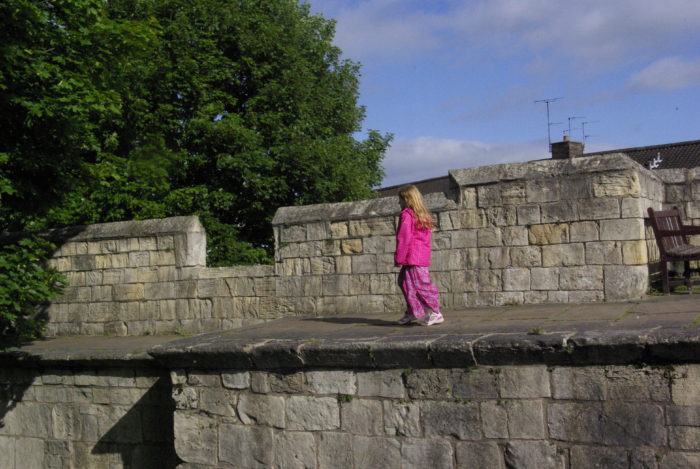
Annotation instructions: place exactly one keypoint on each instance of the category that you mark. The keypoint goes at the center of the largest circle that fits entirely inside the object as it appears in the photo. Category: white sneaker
(434, 318)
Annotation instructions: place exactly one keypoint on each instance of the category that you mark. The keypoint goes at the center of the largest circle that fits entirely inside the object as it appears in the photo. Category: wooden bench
(672, 241)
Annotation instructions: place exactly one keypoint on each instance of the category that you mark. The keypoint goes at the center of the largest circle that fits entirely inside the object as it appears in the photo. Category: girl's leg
(426, 291)
(408, 288)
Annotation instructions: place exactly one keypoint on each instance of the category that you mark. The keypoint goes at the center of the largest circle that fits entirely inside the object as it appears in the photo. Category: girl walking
(413, 255)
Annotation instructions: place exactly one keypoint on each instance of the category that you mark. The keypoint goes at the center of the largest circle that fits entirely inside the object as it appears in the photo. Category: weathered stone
(633, 424)
(244, 446)
(361, 417)
(685, 389)
(312, 413)
(295, 450)
(331, 382)
(578, 383)
(583, 231)
(622, 229)
(625, 282)
(526, 256)
(364, 264)
(401, 418)
(517, 279)
(635, 384)
(593, 457)
(543, 190)
(532, 455)
(195, 438)
(488, 237)
(525, 419)
(561, 211)
(599, 208)
(456, 419)
(217, 401)
(679, 460)
(494, 419)
(576, 422)
(684, 438)
(475, 383)
(428, 384)
(387, 383)
(551, 233)
(616, 185)
(236, 380)
(334, 450)
(371, 451)
(634, 252)
(563, 255)
(524, 382)
(604, 252)
(29, 453)
(587, 277)
(478, 455)
(419, 453)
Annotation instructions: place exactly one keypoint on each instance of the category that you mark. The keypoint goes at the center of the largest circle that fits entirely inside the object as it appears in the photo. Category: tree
(227, 109)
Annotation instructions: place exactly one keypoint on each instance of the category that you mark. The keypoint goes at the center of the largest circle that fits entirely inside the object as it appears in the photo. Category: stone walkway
(650, 330)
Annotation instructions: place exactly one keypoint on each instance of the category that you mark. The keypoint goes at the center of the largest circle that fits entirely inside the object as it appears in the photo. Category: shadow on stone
(346, 320)
(143, 435)
(13, 385)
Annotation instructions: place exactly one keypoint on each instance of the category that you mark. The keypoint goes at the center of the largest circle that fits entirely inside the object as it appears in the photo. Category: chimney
(566, 149)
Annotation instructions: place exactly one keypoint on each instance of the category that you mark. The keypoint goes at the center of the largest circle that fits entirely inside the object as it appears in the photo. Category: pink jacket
(412, 243)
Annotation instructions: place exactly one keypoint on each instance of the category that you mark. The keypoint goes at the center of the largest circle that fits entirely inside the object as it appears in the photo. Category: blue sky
(456, 81)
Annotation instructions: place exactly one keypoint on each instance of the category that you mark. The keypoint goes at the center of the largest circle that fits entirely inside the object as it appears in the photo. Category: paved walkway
(484, 334)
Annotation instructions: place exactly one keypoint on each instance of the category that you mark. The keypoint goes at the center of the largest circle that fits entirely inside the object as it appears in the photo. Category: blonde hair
(412, 198)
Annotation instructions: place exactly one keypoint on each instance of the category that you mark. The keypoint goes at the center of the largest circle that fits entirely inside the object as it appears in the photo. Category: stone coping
(361, 209)
(652, 331)
(543, 168)
(114, 230)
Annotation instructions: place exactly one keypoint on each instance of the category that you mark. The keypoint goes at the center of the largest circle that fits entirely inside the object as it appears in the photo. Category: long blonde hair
(411, 197)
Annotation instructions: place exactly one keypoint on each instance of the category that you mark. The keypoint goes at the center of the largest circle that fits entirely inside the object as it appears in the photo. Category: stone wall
(85, 417)
(544, 231)
(521, 417)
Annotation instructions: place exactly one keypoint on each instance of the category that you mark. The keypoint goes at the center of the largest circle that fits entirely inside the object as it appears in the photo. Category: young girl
(413, 255)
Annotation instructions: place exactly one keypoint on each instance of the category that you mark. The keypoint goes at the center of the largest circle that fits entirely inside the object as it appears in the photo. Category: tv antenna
(583, 131)
(549, 123)
(573, 118)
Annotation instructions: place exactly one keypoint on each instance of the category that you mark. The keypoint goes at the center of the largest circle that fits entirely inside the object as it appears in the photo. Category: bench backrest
(667, 229)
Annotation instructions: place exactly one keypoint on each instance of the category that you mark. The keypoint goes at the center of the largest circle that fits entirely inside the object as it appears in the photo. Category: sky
(456, 81)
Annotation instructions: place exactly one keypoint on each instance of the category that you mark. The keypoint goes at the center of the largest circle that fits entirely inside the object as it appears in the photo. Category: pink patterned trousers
(419, 291)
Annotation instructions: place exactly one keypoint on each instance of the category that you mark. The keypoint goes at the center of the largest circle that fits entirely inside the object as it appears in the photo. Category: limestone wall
(85, 417)
(483, 417)
(543, 231)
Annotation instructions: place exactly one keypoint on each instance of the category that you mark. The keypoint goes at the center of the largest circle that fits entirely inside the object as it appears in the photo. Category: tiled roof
(672, 155)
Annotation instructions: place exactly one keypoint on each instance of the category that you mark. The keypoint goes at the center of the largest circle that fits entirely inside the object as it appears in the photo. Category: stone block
(401, 418)
(583, 231)
(387, 383)
(563, 255)
(683, 415)
(598, 208)
(489, 237)
(463, 239)
(312, 413)
(528, 214)
(587, 277)
(428, 383)
(633, 208)
(371, 451)
(478, 455)
(339, 230)
(195, 438)
(420, 453)
(622, 229)
(685, 388)
(475, 383)
(331, 382)
(617, 185)
(489, 195)
(217, 401)
(334, 285)
(131, 291)
(236, 380)
(604, 252)
(525, 419)
(561, 211)
(261, 409)
(334, 450)
(244, 446)
(637, 384)
(678, 460)
(525, 382)
(294, 451)
(364, 264)
(456, 419)
(494, 419)
(634, 252)
(526, 256)
(543, 190)
(684, 438)
(585, 457)
(515, 236)
(29, 453)
(550, 233)
(361, 417)
(322, 265)
(625, 282)
(633, 424)
(516, 279)
(588, 384)
(533, 455)
(351, 246)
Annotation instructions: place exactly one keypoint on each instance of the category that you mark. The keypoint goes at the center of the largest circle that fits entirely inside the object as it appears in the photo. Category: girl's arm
(403, 238)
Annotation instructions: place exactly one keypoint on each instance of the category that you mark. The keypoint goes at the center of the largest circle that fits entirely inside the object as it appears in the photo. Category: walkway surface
(651, 330)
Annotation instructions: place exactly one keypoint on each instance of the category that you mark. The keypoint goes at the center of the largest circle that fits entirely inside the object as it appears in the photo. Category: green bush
(27, 285)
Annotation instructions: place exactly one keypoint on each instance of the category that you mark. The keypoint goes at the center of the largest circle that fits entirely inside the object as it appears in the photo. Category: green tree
(132, 109)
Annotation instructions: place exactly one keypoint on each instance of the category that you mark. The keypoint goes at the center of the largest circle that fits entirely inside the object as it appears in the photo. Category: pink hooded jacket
(412, 242)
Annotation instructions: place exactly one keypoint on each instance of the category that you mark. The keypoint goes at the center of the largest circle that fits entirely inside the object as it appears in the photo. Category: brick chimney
(566, 149)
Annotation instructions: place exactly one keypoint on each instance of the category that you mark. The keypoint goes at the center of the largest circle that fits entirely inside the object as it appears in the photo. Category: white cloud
(593, 34)
(668, 74)
(428, 157)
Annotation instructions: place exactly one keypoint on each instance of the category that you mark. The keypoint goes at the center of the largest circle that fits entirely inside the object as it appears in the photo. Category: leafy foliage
(26, 284)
